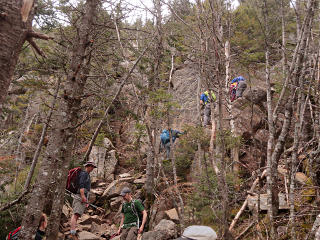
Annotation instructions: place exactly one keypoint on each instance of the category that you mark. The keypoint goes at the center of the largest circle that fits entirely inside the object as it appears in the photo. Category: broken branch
(14, 202)
(32, 34)
(35, 46)
(245, 203)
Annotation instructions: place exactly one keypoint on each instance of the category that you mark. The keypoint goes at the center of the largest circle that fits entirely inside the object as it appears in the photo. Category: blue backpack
(165, 136)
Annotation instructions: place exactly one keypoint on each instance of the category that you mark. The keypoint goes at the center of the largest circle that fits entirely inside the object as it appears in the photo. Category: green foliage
(248, 36)
(140, 132)
(10, 220)
(99, 140)
(187, 146)
(45, 15)
(206, 200)
(163, 103)
(226, 137)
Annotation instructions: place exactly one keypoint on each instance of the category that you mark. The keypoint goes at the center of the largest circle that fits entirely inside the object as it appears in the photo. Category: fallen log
(245, 203)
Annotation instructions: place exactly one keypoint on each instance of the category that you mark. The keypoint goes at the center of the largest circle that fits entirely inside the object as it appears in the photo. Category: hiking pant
(78, 206)
(242, 85)
(167, 147)
(207, 114)
(129, 233)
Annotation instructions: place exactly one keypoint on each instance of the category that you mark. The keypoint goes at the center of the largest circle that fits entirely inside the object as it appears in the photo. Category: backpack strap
(135, 211)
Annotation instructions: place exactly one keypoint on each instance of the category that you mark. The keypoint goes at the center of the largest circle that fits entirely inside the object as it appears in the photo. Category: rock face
(105, 159)
(185, 82)
(165, 230)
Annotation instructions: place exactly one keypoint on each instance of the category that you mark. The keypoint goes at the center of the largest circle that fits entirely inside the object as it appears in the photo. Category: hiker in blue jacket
(205, 101)
(165, 139)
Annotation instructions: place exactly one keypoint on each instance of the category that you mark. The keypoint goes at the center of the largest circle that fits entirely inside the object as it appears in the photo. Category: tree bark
(15, 23)
(61, 139)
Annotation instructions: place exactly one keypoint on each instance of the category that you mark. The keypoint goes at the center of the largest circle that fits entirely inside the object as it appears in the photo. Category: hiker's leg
(73, 224)
(124, 233)
(167, 146)
(78, 209)
(207, 113)
(132, 234)
(241, 87)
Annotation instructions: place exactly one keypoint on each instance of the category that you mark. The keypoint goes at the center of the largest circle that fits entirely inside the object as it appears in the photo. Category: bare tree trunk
(62, 137)
(12, 39)
(41, 141)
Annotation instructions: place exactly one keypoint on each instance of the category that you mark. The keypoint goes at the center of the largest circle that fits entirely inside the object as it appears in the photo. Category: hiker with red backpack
(79, 182)
(237, 87)
(132, 211)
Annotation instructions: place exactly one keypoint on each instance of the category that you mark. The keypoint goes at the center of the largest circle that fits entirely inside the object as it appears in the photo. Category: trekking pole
(78, 198)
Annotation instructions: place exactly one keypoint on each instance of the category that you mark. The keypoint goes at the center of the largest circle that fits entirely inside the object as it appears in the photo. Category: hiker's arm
(121, 223)
(83, 196)
(144, 219)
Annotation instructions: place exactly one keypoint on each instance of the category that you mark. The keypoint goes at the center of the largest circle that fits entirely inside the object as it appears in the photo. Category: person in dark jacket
(80, 201)
(40, 234)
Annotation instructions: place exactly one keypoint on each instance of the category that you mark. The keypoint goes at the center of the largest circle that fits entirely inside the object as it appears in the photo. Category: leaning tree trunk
(62, 137)
(15, 23)
(15, 28)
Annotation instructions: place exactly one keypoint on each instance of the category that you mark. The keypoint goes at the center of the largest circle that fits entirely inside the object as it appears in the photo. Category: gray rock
(98, 156)
(115, 203)
(98, 229)
(140, 181)
(87, 219)
(108, 144)
(87, 236)
(253, 202)
(110, 167)
(125, 175)
(172, 215)
(165, 230)
(114, 189)
(105, 159)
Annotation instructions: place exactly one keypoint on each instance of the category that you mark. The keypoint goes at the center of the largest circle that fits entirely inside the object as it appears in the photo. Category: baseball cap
(125, 190)
(90, 163)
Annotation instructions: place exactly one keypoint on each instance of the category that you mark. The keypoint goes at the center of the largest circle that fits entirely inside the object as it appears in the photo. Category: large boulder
(114, 189)
(253, 202)
(172, 215)
(165, 230)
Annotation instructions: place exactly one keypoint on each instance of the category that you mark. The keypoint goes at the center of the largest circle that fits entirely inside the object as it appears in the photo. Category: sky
(140, 12)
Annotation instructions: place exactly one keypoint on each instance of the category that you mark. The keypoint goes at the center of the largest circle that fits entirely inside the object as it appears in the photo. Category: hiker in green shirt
(133, 218)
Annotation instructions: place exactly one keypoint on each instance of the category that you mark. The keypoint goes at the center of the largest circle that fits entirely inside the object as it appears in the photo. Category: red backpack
(14, 234)
(73, 180)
